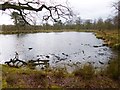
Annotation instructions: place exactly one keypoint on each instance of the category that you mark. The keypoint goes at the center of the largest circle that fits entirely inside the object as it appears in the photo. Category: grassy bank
(111, 38)
(56, 78)
(41, 31)
(29, 31)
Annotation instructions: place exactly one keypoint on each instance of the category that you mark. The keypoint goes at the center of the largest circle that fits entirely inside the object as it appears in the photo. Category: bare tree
(117, 7)
(28, 8)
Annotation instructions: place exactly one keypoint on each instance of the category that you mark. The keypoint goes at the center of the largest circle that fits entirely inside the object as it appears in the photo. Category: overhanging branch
(7, 5)
(21, 7)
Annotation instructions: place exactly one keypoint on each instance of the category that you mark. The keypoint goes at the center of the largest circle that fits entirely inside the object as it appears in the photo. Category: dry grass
(26, 78)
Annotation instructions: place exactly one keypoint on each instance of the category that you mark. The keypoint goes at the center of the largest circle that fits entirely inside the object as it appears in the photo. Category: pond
(59, 47)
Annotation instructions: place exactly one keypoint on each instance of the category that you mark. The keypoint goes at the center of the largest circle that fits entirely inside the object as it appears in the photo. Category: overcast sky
(87, 9)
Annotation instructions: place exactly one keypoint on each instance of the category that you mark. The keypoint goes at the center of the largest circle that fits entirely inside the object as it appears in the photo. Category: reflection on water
(59, 48)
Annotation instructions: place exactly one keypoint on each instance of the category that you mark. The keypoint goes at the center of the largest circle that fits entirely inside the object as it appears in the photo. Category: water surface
(62, 48)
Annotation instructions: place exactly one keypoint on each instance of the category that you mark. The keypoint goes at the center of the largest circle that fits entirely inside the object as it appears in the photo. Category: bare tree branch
(55, 12)
(117, 5)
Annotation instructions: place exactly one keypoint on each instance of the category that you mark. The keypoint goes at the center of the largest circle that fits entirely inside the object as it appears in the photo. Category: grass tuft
(112, 70)
(86, 72)
(60, 72)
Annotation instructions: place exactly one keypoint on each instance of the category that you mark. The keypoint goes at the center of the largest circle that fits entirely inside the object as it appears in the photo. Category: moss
(4, 84)
(56, 87)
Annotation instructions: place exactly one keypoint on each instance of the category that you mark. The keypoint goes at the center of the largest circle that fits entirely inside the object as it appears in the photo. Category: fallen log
(15, 63)
(32, 63)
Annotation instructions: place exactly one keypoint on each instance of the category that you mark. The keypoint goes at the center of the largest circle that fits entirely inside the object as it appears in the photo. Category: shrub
(60, 72)
(116, 46)
(87, 71)
(112, 69)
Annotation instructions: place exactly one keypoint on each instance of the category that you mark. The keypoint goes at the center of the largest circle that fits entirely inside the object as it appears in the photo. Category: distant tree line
(100, 24)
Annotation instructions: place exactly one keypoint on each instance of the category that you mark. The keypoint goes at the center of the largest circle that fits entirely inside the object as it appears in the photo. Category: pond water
(60, 48)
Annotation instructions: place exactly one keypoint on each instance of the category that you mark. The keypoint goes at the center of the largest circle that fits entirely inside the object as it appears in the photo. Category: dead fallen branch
(17, 63)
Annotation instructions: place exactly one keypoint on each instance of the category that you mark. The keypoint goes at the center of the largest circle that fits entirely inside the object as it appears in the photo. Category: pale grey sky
(87, 9)
(93, 8)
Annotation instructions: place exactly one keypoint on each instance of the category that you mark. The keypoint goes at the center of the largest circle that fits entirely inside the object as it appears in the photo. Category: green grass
(17, 78)
(110, 37)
